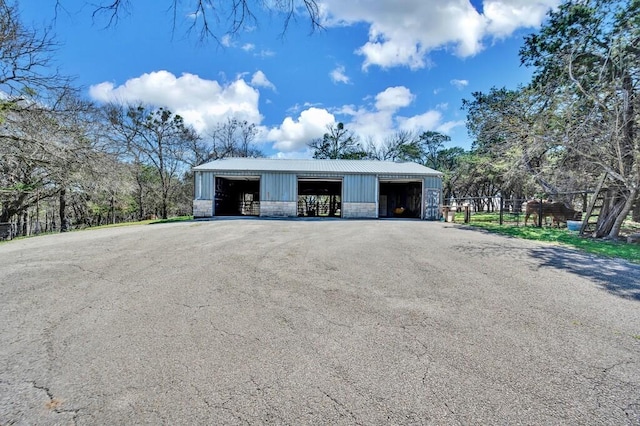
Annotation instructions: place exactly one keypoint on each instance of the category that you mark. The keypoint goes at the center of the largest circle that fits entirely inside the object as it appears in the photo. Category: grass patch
(171, 220)
(614, 249)
(143, 222)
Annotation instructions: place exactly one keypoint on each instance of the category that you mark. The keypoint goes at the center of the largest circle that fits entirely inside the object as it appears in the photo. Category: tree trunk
(615, 209)
(25, 220)
(636, 210)
(622, 215)
(64, 225)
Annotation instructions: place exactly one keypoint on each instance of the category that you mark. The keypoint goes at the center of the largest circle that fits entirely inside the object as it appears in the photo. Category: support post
(540, 214)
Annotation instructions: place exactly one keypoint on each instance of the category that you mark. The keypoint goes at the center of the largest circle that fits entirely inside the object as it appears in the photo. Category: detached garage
(316, 188)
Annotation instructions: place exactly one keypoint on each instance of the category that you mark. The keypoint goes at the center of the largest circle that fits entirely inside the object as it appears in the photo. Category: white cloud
(373, 122)
(448, 126)
(226, 40)
(429, 120)
(259, 79)
(459, 84)
(393, 98)
(266, 53)
(295, 134)
(403, 33)
(202, 103)
(505, 16)
(248, 47)
(338, 75)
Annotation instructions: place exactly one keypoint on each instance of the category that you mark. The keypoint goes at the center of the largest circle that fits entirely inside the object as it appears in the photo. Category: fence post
(501, 209)
(467, 213)
(540, 214)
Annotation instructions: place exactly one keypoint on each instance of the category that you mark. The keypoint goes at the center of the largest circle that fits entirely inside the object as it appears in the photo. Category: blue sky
(379, 66)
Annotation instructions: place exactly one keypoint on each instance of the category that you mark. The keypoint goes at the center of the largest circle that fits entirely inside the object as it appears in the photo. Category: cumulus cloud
(295, 134)
(202, 103)
(393, 98)
(429, 120)
(373, 121)
(403, 33)
(459, 84)
(338, 75)
(259, 79)
(248, 47)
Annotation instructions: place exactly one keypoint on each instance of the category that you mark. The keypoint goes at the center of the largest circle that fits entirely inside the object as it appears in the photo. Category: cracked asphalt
(314, 322)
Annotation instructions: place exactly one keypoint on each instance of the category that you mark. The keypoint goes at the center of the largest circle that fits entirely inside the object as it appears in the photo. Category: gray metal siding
(278, 187)
(204, 185)
(359, 189)
(433, 182)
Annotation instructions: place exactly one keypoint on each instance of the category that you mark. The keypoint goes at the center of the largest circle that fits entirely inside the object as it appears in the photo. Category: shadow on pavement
(618, 277)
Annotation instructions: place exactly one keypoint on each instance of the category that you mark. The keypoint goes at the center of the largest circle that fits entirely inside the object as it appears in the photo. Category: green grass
(144, 222)
(620, 250)
(112, 225)
(172, 219)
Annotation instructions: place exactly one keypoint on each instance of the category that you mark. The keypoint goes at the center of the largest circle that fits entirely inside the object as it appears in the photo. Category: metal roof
(316, 166)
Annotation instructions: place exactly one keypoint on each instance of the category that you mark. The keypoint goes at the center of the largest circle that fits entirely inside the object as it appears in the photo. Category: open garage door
(400, 199)
(237, 196)
(319, 197)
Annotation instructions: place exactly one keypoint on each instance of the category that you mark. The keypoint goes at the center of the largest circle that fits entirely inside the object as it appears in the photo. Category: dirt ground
(314, 322)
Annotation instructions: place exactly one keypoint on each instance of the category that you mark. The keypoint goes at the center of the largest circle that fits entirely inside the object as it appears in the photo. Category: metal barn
(316, 188)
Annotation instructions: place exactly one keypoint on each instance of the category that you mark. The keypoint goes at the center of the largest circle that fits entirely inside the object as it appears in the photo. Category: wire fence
(513, 211)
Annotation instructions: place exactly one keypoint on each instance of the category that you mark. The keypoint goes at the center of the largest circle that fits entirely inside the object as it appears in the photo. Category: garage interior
(400, 199)
(319, 197)
(237, 196)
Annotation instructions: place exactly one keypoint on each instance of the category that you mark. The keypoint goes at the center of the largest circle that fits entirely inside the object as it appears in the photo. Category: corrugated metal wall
(432, 197)
(433, 182)
(360, 189)
(204, 185)
(278, 187)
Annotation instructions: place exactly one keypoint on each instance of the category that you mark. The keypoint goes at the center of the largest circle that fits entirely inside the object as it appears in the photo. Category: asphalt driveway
(314, 322)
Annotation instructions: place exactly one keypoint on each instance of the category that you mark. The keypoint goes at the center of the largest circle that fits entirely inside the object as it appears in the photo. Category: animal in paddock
(560, 212)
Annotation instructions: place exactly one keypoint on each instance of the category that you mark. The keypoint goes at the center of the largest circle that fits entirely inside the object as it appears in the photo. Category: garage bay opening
(319, 198)
(400, 199)
(237, 196)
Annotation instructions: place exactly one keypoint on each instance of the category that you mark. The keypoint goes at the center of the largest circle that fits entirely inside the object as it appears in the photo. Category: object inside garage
(237, 196)
(400, 199)
(319, 197)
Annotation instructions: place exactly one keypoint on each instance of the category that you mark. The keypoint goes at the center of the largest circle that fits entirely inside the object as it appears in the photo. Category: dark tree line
(66, 162)
(578, 117)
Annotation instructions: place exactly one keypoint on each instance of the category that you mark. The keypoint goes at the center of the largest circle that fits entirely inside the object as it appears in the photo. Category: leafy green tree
(338, 143)
(448, 161)
(155, 138)
(587, 71)
(431, 143)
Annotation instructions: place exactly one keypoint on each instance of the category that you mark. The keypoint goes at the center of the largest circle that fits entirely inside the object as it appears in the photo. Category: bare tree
(401, 146)
(211, 18)
(230, 138)
(25, 59)
(155, 140)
